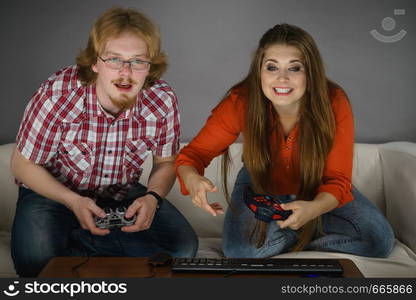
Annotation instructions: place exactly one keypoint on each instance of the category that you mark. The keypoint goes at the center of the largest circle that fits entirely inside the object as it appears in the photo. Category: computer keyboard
(256, 265)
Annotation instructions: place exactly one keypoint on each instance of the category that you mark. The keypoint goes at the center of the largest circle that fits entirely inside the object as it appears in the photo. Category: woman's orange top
(226, 123)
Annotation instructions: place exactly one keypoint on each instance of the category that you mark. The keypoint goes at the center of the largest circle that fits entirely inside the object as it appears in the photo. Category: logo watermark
(11, 290)
(389, 24)
(70, 289)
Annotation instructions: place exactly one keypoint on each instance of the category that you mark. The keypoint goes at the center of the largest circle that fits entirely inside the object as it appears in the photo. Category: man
(84, 136)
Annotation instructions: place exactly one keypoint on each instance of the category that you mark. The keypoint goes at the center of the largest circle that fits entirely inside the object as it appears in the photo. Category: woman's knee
(237, 250)
(374, 229)
(381, 241)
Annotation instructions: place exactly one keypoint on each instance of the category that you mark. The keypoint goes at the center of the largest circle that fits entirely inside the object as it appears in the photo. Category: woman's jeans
(357, 228)
(43, 229)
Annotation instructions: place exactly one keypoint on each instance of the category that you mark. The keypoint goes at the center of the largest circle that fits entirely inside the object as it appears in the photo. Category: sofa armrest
(8, 189)
(398, 161)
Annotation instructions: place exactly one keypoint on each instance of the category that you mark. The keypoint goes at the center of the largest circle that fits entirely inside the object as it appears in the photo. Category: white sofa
(385, 173)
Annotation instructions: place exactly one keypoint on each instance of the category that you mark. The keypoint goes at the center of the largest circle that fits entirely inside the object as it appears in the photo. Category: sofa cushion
(367, 175)
(6, 263)
(399, 165)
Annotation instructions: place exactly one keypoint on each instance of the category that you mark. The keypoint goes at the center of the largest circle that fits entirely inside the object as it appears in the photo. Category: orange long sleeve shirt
(226, 123)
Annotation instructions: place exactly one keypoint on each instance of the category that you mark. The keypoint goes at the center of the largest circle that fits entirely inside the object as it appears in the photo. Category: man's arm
(162, 176)
(161, 180)
(38, 179)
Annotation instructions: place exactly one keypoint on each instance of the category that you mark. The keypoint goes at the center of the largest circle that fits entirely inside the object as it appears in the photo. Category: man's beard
(124, 102)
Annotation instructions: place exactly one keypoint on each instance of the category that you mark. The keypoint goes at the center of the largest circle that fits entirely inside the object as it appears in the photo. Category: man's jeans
(43, 229)
(357, 228)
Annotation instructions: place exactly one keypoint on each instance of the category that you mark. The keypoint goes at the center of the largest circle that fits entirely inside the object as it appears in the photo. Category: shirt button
(106, 175)
(109, 151)
(287, 148)
(148, 149)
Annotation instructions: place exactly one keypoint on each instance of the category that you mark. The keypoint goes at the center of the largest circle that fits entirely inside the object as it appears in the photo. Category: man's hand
(145, 209)
(198, 187)
(85, 210)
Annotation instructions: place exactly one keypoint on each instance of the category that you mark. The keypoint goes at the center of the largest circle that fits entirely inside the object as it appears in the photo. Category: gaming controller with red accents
(267, 207)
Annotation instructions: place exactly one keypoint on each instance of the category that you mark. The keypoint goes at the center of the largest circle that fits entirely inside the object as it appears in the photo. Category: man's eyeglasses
(116, 63)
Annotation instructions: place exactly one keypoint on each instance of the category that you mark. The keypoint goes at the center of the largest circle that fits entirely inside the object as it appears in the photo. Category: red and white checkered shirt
(65, 130)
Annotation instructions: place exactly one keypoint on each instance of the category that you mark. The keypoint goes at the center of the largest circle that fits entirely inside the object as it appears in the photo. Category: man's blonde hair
(110, 25)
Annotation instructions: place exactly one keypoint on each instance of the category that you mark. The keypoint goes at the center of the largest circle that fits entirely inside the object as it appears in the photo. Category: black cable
(74, 269)
(152, 271)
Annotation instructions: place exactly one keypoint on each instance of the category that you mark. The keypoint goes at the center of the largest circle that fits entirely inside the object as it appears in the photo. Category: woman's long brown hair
(316, 126)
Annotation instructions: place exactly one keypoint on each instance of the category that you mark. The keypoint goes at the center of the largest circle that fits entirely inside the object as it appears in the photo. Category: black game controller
(267, 207)
(114, 218)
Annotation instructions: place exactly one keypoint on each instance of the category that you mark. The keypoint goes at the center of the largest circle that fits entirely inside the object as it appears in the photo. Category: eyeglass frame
(129, 62)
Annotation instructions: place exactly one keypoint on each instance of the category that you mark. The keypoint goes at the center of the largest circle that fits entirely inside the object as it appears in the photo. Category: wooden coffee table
(137, 267)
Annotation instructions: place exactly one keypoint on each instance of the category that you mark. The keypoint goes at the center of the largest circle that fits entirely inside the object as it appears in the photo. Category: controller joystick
(121, 210)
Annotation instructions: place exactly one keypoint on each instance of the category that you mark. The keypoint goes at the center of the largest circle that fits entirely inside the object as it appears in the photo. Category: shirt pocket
(136, 152)
(76, 156)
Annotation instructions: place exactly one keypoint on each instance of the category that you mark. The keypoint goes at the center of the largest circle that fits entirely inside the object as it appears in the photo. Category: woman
(298, 139)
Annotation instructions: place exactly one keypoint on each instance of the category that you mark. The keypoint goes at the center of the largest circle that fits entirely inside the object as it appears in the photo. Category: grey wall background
(209, 44)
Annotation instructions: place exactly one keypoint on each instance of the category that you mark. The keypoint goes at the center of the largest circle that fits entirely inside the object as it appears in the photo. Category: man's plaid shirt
(65, 130)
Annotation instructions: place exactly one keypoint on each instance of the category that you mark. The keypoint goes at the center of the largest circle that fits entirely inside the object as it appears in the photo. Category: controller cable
(74, 269)
(152, 271)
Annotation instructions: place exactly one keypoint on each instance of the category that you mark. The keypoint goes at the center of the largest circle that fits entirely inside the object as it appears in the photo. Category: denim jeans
(44, 228)
(357, 228)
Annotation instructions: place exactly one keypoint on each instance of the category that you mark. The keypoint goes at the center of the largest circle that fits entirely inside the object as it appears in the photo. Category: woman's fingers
(199, 197)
